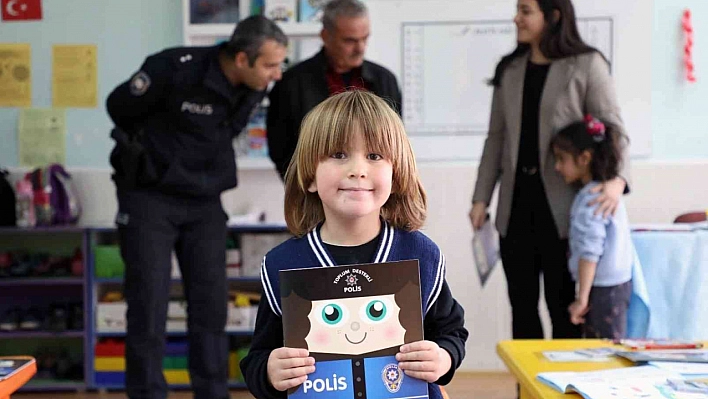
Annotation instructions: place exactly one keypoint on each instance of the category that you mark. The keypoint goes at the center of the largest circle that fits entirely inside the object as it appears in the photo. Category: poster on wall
(15, 75)
(353, 320)
(214, 11)
(74, 76)
(41, 136)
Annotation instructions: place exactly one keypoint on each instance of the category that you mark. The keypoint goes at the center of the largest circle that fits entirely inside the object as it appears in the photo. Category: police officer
(175, 121)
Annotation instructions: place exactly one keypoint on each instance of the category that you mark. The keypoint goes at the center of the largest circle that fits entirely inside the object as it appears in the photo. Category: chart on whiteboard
(447, 64)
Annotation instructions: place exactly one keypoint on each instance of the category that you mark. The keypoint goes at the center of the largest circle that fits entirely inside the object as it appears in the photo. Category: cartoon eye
(332, 314)
(375, 311)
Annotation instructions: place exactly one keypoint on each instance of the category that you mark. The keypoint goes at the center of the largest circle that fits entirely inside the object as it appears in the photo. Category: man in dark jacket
(338, 66)
(175, 122)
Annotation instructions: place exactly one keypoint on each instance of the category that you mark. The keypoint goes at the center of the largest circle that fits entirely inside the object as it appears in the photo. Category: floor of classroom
(465, 385)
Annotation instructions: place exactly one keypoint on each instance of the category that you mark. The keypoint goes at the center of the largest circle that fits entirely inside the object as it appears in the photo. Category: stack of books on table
(663, 369)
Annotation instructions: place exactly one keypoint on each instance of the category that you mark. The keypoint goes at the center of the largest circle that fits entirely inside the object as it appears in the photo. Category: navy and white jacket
(443, 317)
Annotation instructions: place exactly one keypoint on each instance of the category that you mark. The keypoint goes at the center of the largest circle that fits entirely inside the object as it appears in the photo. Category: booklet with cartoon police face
(353, 320)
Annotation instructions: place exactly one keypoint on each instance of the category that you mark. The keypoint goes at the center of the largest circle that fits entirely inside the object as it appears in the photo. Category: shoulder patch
(139, 84)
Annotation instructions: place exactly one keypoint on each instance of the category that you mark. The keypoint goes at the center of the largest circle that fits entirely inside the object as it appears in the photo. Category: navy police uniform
(175, 121)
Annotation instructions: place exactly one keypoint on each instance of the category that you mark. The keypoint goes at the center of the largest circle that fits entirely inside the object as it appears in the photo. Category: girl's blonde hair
(329, 128)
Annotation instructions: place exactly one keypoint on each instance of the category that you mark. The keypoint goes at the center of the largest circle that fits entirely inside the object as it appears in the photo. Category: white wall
(678, 107)
(124, 32)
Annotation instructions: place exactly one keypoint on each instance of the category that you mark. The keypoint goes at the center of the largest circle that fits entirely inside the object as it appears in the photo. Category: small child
(352, 195)
(587, 153)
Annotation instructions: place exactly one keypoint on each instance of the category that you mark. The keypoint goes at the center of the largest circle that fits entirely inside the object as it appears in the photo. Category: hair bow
(595, 128)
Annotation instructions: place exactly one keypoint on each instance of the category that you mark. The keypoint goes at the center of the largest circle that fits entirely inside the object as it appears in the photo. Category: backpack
(7, 201)
(63, 197)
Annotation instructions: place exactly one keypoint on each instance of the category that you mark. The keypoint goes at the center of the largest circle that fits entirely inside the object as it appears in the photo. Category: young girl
(352, 195)
(587, 153)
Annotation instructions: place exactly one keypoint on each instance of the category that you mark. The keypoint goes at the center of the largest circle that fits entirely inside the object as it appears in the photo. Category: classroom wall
(678, 115)
(125, 31)
(630, 29)
(670, 181)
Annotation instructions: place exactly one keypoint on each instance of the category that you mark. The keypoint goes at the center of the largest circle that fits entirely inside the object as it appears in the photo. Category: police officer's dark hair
(342, 8)
(250, 34)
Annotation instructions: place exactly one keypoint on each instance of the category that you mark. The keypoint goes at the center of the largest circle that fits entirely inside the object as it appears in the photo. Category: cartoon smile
(352, 342)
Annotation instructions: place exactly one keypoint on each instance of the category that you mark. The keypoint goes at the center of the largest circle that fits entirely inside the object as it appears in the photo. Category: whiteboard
(445, 90)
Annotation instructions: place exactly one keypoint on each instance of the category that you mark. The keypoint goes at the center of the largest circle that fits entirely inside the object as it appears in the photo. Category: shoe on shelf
(77, 263)
(5, 263)
(5, 259)
(61, 266)
(22, 266)
(46, 363)
(43, 266)
(57, 318)
(10, 320)
(76, 316)
(62, 365)
(31, 319)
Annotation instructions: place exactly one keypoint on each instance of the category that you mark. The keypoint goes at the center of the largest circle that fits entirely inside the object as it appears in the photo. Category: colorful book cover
(256, 131)
(686, 356)
(353, 320)
(281, 10)
(216, 11)
(257, 7)
(311, 10)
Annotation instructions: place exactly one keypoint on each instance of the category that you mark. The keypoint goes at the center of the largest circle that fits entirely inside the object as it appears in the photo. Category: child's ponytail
(607, 151)
(604, 142)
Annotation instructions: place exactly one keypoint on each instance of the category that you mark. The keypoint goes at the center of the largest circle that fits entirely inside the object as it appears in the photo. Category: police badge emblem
(139, 83)
(392, 377)
(351, 280)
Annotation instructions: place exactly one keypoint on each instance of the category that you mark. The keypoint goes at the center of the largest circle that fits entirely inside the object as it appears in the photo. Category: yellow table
(525, 360)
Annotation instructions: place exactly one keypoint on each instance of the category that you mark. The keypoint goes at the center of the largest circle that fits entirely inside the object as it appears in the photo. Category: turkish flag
(21, 10)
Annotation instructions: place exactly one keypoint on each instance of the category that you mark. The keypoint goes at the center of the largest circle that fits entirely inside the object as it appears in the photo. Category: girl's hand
(424, 360)
(289, 367)
(577, 310)
(478, 214)
(611, 192)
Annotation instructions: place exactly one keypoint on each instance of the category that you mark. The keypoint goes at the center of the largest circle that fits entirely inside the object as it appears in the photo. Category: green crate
(175, 363)
(107, 261)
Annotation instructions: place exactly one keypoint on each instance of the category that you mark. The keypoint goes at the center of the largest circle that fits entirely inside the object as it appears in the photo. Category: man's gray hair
(342, 8)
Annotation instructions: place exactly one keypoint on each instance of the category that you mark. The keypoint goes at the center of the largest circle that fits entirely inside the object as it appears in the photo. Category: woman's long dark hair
(560, 38)
(606, 149)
